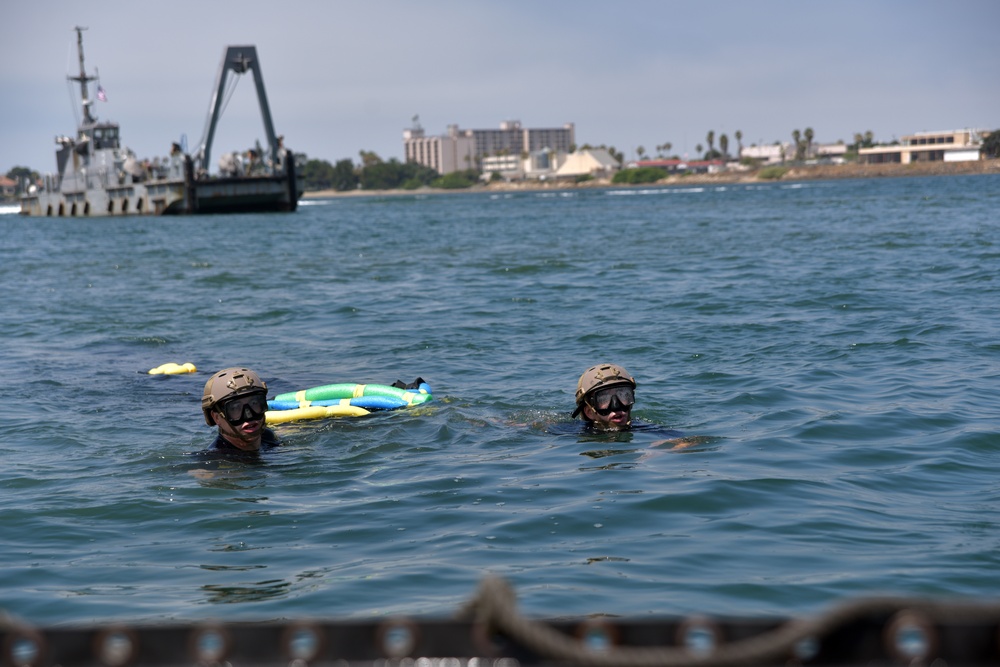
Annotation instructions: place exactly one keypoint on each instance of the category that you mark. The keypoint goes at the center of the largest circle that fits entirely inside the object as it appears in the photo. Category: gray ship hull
(177, 196)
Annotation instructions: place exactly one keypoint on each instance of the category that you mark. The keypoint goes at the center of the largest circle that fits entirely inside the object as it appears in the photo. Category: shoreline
(795, 173)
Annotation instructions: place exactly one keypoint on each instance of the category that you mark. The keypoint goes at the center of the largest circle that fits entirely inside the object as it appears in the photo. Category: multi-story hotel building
(464, 149)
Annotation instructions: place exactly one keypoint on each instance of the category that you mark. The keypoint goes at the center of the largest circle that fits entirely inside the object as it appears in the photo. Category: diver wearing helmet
(605, 394)
(235, 400)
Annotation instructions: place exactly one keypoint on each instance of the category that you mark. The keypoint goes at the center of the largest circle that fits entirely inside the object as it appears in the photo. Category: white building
(538, 165)
(769, 154)
(785, 151)
(830, 152)
(946, 146)
(511, 167)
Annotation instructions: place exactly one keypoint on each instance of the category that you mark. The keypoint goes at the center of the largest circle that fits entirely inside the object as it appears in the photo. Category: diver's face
(610, 407)
(241, 421)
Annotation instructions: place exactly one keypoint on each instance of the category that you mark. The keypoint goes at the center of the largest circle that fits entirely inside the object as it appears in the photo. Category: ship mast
(83, 79)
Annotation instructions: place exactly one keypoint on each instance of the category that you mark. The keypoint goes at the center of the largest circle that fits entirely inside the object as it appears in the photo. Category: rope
(494, 607)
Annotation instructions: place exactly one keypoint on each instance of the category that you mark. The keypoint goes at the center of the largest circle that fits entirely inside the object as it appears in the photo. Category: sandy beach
(796, 173)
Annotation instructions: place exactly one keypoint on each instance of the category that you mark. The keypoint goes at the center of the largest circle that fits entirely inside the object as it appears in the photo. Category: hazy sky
(348, 76)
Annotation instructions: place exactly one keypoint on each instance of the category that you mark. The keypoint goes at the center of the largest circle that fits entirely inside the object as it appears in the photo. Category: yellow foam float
(313, 412)
(172, 368)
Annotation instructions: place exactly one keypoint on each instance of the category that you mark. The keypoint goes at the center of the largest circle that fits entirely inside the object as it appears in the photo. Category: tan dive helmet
(596, 377)
(227, 383)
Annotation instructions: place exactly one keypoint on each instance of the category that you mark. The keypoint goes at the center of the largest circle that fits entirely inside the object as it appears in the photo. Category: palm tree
(809, 140)
(797, 138)
(711, 139)
(697, 149)
(666, 148)
(640, 151)
(739, 142)
(724, 146)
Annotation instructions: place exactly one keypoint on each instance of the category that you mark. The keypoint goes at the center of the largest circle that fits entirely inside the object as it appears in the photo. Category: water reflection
(601, 453)
(271, 589)
(240, 473)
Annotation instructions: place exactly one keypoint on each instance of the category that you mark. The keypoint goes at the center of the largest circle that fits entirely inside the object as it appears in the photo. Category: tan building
(513, 139)
(950, 146)
(453, 151)
(596, 162)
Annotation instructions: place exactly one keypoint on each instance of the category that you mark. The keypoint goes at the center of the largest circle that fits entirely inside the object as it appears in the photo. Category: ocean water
(834, 345)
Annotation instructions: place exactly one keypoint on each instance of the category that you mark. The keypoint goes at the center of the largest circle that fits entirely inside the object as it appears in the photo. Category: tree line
(374, 173)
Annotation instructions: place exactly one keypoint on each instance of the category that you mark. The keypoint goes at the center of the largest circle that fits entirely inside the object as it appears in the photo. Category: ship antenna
(83, 80)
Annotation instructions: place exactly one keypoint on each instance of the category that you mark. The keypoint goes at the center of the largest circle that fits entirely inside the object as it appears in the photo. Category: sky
(346, 76)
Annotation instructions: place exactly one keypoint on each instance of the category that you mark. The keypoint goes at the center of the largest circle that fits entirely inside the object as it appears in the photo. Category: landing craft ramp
(267, 182)
(490, 631)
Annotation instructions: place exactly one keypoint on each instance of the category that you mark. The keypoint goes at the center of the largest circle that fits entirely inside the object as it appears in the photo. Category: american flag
(101, 95)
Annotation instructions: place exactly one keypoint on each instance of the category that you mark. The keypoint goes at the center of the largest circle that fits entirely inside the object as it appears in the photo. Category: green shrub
(639, 175)
(772, 173)
(456, 180)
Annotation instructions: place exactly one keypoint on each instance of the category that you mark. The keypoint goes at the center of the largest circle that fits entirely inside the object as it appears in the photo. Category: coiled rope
(494, 607)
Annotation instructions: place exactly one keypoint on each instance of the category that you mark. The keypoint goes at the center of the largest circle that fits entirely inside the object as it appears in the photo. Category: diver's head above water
(235, 400)
(605, 394)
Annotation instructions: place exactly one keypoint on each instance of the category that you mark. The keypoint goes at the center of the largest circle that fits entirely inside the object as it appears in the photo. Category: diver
(605, 395)
(235, 400)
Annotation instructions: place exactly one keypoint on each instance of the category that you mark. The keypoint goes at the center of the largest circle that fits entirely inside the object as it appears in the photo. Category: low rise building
(510, 167)
(676, 166)
(834, 153)
(769, 153)
(538, 164)
(784, 151)
(946, 146)
(8, 187)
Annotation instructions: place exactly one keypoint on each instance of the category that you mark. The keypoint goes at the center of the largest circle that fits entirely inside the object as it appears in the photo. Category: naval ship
(97, 176)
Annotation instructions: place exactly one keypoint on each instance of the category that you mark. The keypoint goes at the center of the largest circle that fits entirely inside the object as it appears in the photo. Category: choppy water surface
(835, 343)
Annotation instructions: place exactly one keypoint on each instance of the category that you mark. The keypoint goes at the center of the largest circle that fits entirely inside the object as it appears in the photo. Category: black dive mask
(244, 408)
(612, 399)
